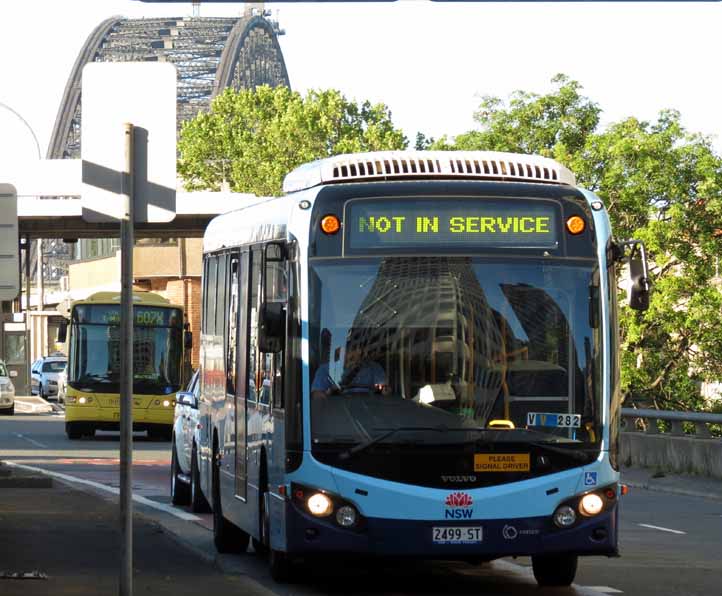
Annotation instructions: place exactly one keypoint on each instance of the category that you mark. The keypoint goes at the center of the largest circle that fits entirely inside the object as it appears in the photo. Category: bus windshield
(455, 349)
(95, 349)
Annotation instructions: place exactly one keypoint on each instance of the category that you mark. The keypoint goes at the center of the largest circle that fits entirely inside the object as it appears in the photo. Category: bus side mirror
(62, 332)
(638, 294)
(187, 340)
(639, 289)
(275, 252)
(271, 327)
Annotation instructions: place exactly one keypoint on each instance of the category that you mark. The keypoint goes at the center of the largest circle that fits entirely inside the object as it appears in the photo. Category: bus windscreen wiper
(365, 445)
(578, 454)
(507, 436)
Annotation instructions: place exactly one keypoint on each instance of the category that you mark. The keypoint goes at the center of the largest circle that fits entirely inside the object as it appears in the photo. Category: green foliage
(252, 138)
(662, 185)
(423, 142)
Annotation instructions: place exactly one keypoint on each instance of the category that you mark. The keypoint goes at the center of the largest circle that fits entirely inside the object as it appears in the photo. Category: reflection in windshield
(95, 357)
(459, 342)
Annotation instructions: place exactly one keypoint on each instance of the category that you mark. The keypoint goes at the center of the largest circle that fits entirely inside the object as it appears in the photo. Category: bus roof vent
(384, 165)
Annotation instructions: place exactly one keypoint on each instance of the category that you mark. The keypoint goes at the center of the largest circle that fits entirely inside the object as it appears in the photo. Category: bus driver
(362, 376)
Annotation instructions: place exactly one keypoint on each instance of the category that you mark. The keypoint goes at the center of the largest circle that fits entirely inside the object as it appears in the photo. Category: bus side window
(254, 380)
(209, 300)
(275, 290)
(233, 320)
(277, 380)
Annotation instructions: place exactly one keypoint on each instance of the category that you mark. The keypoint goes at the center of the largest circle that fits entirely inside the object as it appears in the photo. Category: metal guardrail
(676, 419)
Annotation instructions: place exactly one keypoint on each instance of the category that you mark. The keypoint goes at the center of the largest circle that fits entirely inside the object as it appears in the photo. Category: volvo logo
(458, 478)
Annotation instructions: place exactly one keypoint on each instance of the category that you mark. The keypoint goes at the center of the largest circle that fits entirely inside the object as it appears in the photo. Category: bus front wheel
(74, 430)
(227, 537)
(280, 566)
(554, 570)
(160, 433)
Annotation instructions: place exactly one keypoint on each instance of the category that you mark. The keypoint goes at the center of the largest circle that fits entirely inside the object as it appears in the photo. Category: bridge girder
(210, 54)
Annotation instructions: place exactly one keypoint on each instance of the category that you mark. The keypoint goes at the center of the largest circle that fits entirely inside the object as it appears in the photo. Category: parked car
(44, 375)
(7, 391)
(185, 483)
(62, 385)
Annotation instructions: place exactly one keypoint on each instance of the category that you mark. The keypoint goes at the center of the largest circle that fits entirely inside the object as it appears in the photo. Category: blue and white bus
(415, 354)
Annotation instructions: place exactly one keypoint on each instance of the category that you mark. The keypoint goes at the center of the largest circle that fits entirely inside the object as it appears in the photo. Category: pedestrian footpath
(33, 404)
(56, 539)
(676, 484)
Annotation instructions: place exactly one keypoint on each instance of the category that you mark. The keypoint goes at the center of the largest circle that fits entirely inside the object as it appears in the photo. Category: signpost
(143, 94)
(9, 263)
(128, 152)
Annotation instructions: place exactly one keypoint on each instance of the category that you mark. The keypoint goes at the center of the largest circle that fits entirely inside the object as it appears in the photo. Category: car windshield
(453, 347)
(54, 367)
(95, 353)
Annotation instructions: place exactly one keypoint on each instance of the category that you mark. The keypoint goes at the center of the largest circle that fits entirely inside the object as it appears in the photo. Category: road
(670, 544)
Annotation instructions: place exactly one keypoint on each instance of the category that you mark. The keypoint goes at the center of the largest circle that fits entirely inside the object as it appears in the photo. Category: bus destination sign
(145, 316)
(438, 223)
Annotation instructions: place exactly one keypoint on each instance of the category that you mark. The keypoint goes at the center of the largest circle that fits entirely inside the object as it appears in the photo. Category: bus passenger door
(241, 388)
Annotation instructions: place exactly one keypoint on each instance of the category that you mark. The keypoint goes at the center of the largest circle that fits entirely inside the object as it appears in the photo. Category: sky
(430, 62)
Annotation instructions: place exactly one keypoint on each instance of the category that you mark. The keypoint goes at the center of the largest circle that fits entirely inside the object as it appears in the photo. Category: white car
(185, 483)
(62, 386)
(7, 391)
(45, 374)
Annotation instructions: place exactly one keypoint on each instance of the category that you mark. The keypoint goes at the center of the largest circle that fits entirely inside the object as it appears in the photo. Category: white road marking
(662, 529)
(33, 441)
(110, 489)
(604, 589)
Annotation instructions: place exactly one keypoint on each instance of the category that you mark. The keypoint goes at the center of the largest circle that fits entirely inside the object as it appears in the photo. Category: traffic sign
(9, 263)
(144, 95)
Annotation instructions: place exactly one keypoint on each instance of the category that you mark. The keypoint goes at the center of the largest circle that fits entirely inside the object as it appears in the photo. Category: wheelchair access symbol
(590, 479)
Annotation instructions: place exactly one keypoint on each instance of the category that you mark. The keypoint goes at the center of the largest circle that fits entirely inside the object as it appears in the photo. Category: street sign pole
(126, 368)
(132, 183)
(9, 268)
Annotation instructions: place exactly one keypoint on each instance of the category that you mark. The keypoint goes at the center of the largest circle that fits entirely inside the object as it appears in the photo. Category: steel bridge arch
(210, 54)
(252, 57)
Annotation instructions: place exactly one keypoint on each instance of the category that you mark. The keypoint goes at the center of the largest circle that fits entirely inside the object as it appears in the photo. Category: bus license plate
(457, 535)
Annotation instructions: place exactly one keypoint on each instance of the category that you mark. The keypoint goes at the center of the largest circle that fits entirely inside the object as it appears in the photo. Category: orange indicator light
(576, 225)
(330, 224)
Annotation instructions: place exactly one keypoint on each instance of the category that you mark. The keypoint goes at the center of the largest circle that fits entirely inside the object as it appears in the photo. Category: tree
(662, 185)
(423, 142)
(251, 139)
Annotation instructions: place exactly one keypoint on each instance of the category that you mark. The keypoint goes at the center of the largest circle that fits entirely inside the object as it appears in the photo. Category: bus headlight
(166, 403)
(83, 400)
(319, 505)
(564, 516)
(346, 516)
(591, 505)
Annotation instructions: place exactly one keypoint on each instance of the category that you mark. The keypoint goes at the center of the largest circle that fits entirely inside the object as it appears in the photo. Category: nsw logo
(458, 506)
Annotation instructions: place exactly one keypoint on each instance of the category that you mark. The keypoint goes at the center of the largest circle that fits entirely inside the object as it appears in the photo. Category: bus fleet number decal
(555, 420)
